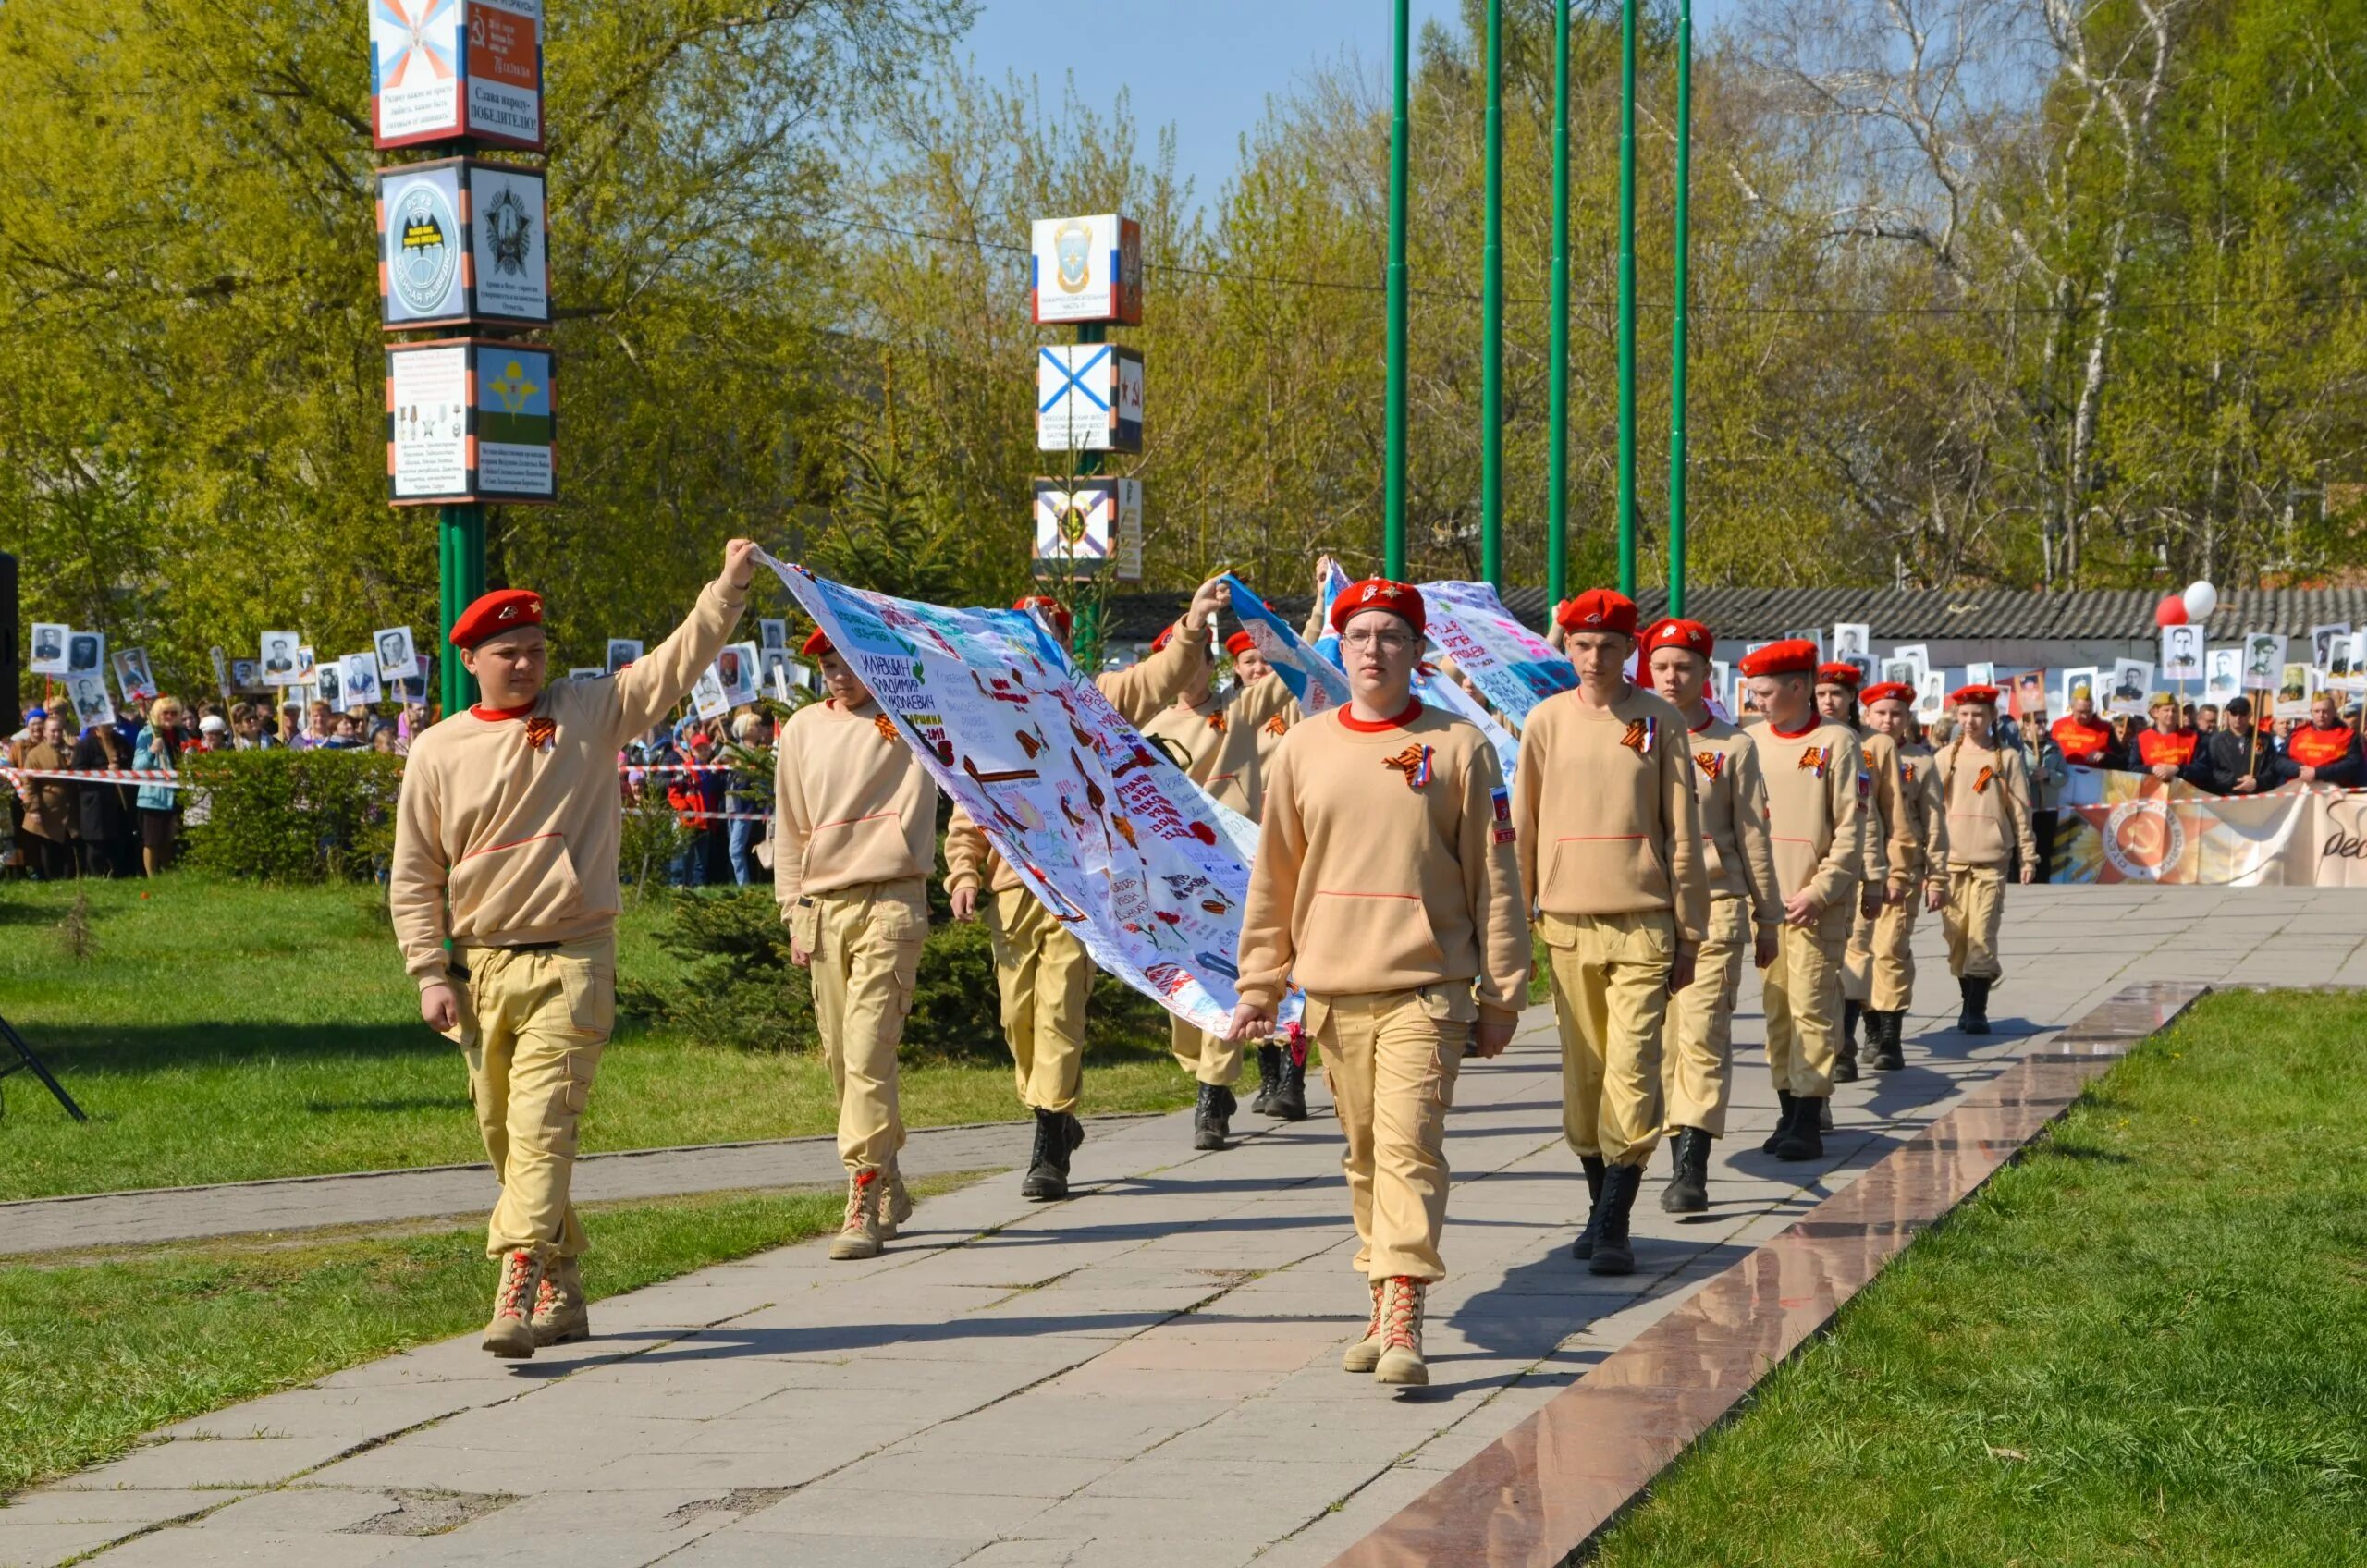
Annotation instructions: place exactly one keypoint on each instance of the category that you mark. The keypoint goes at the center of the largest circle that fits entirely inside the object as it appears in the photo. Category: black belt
(526, 947)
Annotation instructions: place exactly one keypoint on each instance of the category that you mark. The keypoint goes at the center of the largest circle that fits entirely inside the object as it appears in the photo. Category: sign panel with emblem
(422, 246)
(461, 241)
(469, 420)
(1089, 527)
(444, 70)
(508, 249)
(1088, 399)
(1087, 269)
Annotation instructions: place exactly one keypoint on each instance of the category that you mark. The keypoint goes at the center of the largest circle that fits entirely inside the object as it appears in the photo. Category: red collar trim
(1782, 734)
(1708, 719)
(1369, 727)
(494, 715)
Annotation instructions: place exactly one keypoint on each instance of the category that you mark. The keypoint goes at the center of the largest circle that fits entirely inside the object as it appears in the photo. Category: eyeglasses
(1387, 642)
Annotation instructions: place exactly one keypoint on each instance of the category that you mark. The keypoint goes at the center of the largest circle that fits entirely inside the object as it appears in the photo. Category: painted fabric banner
(1314, 678)
(1513, 666)
(2132, 828)
(1123, 849)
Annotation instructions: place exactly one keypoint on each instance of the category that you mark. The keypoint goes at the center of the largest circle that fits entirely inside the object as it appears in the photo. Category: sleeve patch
(1502, 801)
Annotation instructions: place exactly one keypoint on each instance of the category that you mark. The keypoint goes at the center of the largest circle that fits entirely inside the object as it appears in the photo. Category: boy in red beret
(1888, 846)
(1610, 835)
(1042, 971)
(1816, 799)
(505, 842)
(854, 840)
(1988, 791)
(1890, 710)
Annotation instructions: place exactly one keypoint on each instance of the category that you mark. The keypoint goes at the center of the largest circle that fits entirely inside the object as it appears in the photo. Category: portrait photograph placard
(49, 647)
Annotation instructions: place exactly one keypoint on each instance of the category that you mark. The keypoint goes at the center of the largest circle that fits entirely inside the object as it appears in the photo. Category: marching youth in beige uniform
(1042, 971)
(1387, 885)
(505, 842)
(1746, 910)
(1988, 791)
(1224, 741)
(1816, 801)
(1890, 841)
(1610, 835)
(855, 839)
(1923, 874)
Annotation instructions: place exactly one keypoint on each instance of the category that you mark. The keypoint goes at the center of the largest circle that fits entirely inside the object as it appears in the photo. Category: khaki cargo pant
(1696, 1056)
(533, 1030)
(1611, 999)
(1878, 969)
(1976, 905)
(1045, 976)
(1210, 1059)
(1803, 1001)
(1390, 1059)
(864, 945)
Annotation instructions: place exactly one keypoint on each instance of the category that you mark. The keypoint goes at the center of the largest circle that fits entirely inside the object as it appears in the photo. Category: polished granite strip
(1552, 1483)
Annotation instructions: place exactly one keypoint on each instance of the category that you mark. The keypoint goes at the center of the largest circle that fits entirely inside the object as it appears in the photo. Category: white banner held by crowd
(1515, 666)
(1123, 849)
(1314, 679)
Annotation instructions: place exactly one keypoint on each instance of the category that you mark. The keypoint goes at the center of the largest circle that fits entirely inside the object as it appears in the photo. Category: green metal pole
(1491, 318)
(1392, 544)
(1557, 447)
(1677, 343)
(1627, 297)
(460, 530)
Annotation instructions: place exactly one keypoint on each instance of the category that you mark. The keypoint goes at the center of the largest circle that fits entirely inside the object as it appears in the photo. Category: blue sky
(1205, 65)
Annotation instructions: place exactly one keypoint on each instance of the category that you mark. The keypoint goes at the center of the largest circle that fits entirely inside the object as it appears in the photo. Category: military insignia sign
(446, 70)
(1087, 270)
(469, 420)
(462, 242)
(1088, 527)
(1088, 399)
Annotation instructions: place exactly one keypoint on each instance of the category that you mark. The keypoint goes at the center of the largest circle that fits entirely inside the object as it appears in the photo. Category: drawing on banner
(772, 635)
(1512, 666)
(85, 652)
(49, 647)
(2223, 675)
(1116, 841)
(622, 651)
(1852, 640)
(2131, 680)
(2181, 652)
(328, 683)
(2263, 658)
(89, 693)
(736, 670)
(397, 656)
(132, 677)
(361, 673)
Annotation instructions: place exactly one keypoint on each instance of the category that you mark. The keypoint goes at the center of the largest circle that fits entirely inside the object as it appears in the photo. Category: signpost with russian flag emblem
(454, 70)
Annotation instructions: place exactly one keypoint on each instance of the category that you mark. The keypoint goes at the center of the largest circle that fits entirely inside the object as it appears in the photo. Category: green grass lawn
(2144, 1344)
(222, 1032)
(93, 1354)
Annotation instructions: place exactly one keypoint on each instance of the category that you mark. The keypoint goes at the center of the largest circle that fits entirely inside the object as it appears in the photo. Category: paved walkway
(1151, 1366)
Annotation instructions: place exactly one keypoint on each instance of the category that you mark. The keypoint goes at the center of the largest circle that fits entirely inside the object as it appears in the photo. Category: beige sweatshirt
(1926, 809)
(1385, 863)
(506, 830)
(852, 804)
(1732, 790)
(1988, 791)
(1223, 742)
(1816, 816)
(1138, 694)
(1604, 810)
(1890, 835)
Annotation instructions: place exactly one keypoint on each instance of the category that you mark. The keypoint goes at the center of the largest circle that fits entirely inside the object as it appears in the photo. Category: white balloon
(2201, 600)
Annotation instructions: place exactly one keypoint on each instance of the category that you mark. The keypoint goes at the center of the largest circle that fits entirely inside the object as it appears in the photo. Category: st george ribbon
(1122, 847)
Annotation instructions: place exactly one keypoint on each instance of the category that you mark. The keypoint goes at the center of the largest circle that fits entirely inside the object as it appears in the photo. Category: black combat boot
(1047, 1165)
(1974, 1018)
(1269, 1078)
(1688, 1191)
(1613, 1253)
(1212, 1117)
(1785, 1102)
(1845, 1055)
(1290, 1097)
(1584, 1245)
(1801, 1138)
(1889, 1056)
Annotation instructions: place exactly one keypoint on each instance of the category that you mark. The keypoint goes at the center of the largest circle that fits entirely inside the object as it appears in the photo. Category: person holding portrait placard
(1988, 791)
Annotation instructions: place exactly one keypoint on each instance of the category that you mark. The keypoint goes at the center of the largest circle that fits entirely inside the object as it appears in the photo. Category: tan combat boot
(1364, 1353)
(510, 1335)
(560, 1312)
(859, 1233)
(898, 1206)
(1401, 1354)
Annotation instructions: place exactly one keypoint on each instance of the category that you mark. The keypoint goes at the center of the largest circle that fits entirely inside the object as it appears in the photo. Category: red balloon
(2171, 611)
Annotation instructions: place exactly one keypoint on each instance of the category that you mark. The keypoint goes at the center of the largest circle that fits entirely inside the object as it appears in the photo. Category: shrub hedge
(293, 817)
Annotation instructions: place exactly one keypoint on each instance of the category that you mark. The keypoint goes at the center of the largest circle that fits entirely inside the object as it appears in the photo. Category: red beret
(1690, 635)
(504, 609)
(1839, 674)
(1963, 694)
(1239, 644)
(1888, 692)
(817, 644)
(1794, 656)
(1399, 600)
(1598, 609)
(1052, 610)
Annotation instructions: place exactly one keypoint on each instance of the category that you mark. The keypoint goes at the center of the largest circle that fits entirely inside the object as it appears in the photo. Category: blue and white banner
(1515, 666)
(1313, 679)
